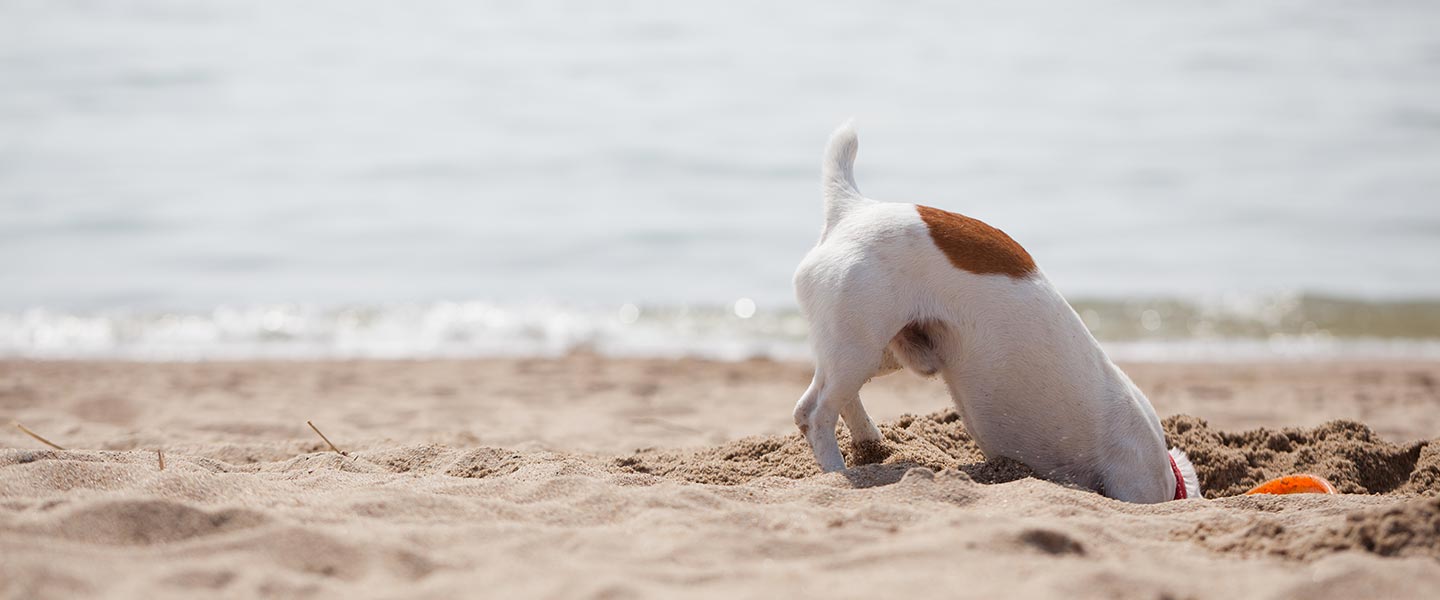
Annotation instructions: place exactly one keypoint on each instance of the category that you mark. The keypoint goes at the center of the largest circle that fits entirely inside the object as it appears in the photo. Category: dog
(902, 286)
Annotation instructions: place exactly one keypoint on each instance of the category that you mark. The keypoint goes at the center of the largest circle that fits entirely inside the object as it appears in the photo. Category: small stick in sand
(36, 436)
(160, 454)
(327, 440)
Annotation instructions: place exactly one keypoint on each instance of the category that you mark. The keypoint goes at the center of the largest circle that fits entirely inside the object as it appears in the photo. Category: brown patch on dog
(973, 246)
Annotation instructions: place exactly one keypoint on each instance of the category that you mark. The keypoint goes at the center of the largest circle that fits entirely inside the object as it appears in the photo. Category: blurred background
(183, 179)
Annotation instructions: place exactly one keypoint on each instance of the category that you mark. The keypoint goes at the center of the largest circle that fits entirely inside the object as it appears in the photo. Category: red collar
(1179, 480)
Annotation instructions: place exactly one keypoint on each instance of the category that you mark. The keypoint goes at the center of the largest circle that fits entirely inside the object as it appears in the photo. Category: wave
(1227, 327)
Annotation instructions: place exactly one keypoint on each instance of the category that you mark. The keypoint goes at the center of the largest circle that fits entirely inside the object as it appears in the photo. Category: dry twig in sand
(327, 440)
(36, 436)
(160, 454)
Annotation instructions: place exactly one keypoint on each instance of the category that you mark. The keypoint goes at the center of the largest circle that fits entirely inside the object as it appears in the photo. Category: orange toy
(1294, 484)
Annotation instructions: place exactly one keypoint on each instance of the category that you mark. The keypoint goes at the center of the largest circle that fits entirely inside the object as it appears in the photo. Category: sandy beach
(595, 477)
(469, 242)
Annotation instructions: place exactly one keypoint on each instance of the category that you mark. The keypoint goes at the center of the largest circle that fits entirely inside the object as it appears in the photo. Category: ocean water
(207, 179)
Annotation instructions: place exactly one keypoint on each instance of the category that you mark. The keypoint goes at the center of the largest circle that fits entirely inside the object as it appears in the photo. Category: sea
(224, 179)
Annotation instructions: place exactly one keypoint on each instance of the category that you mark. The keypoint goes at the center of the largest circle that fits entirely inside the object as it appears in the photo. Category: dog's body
(900, 285)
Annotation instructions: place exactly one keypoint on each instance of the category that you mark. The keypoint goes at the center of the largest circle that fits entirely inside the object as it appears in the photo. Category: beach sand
(587, 476)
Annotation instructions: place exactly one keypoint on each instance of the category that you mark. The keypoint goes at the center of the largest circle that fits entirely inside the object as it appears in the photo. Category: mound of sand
(1347, 453)
(936, 442)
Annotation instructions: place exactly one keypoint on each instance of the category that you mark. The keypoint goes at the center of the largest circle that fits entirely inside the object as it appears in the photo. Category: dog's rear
(899, 285)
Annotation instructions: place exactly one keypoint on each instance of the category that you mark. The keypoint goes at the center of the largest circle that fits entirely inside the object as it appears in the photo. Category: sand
(593, 477)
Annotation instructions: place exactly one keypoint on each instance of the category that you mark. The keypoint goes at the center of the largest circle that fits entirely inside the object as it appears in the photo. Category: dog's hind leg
(915, 348)
(835, 391)
(812, 418)
(866, 441)
(862, 429)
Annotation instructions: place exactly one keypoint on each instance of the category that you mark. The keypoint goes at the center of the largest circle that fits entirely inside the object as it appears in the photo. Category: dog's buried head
(892, 286)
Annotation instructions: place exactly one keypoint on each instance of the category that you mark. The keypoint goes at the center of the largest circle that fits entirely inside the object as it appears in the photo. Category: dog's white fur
(1026, 376)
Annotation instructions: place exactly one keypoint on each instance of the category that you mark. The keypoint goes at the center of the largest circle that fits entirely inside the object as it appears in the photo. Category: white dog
(901, 285)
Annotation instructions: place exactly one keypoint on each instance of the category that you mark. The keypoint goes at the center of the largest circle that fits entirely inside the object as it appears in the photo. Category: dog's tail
(837, 174)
